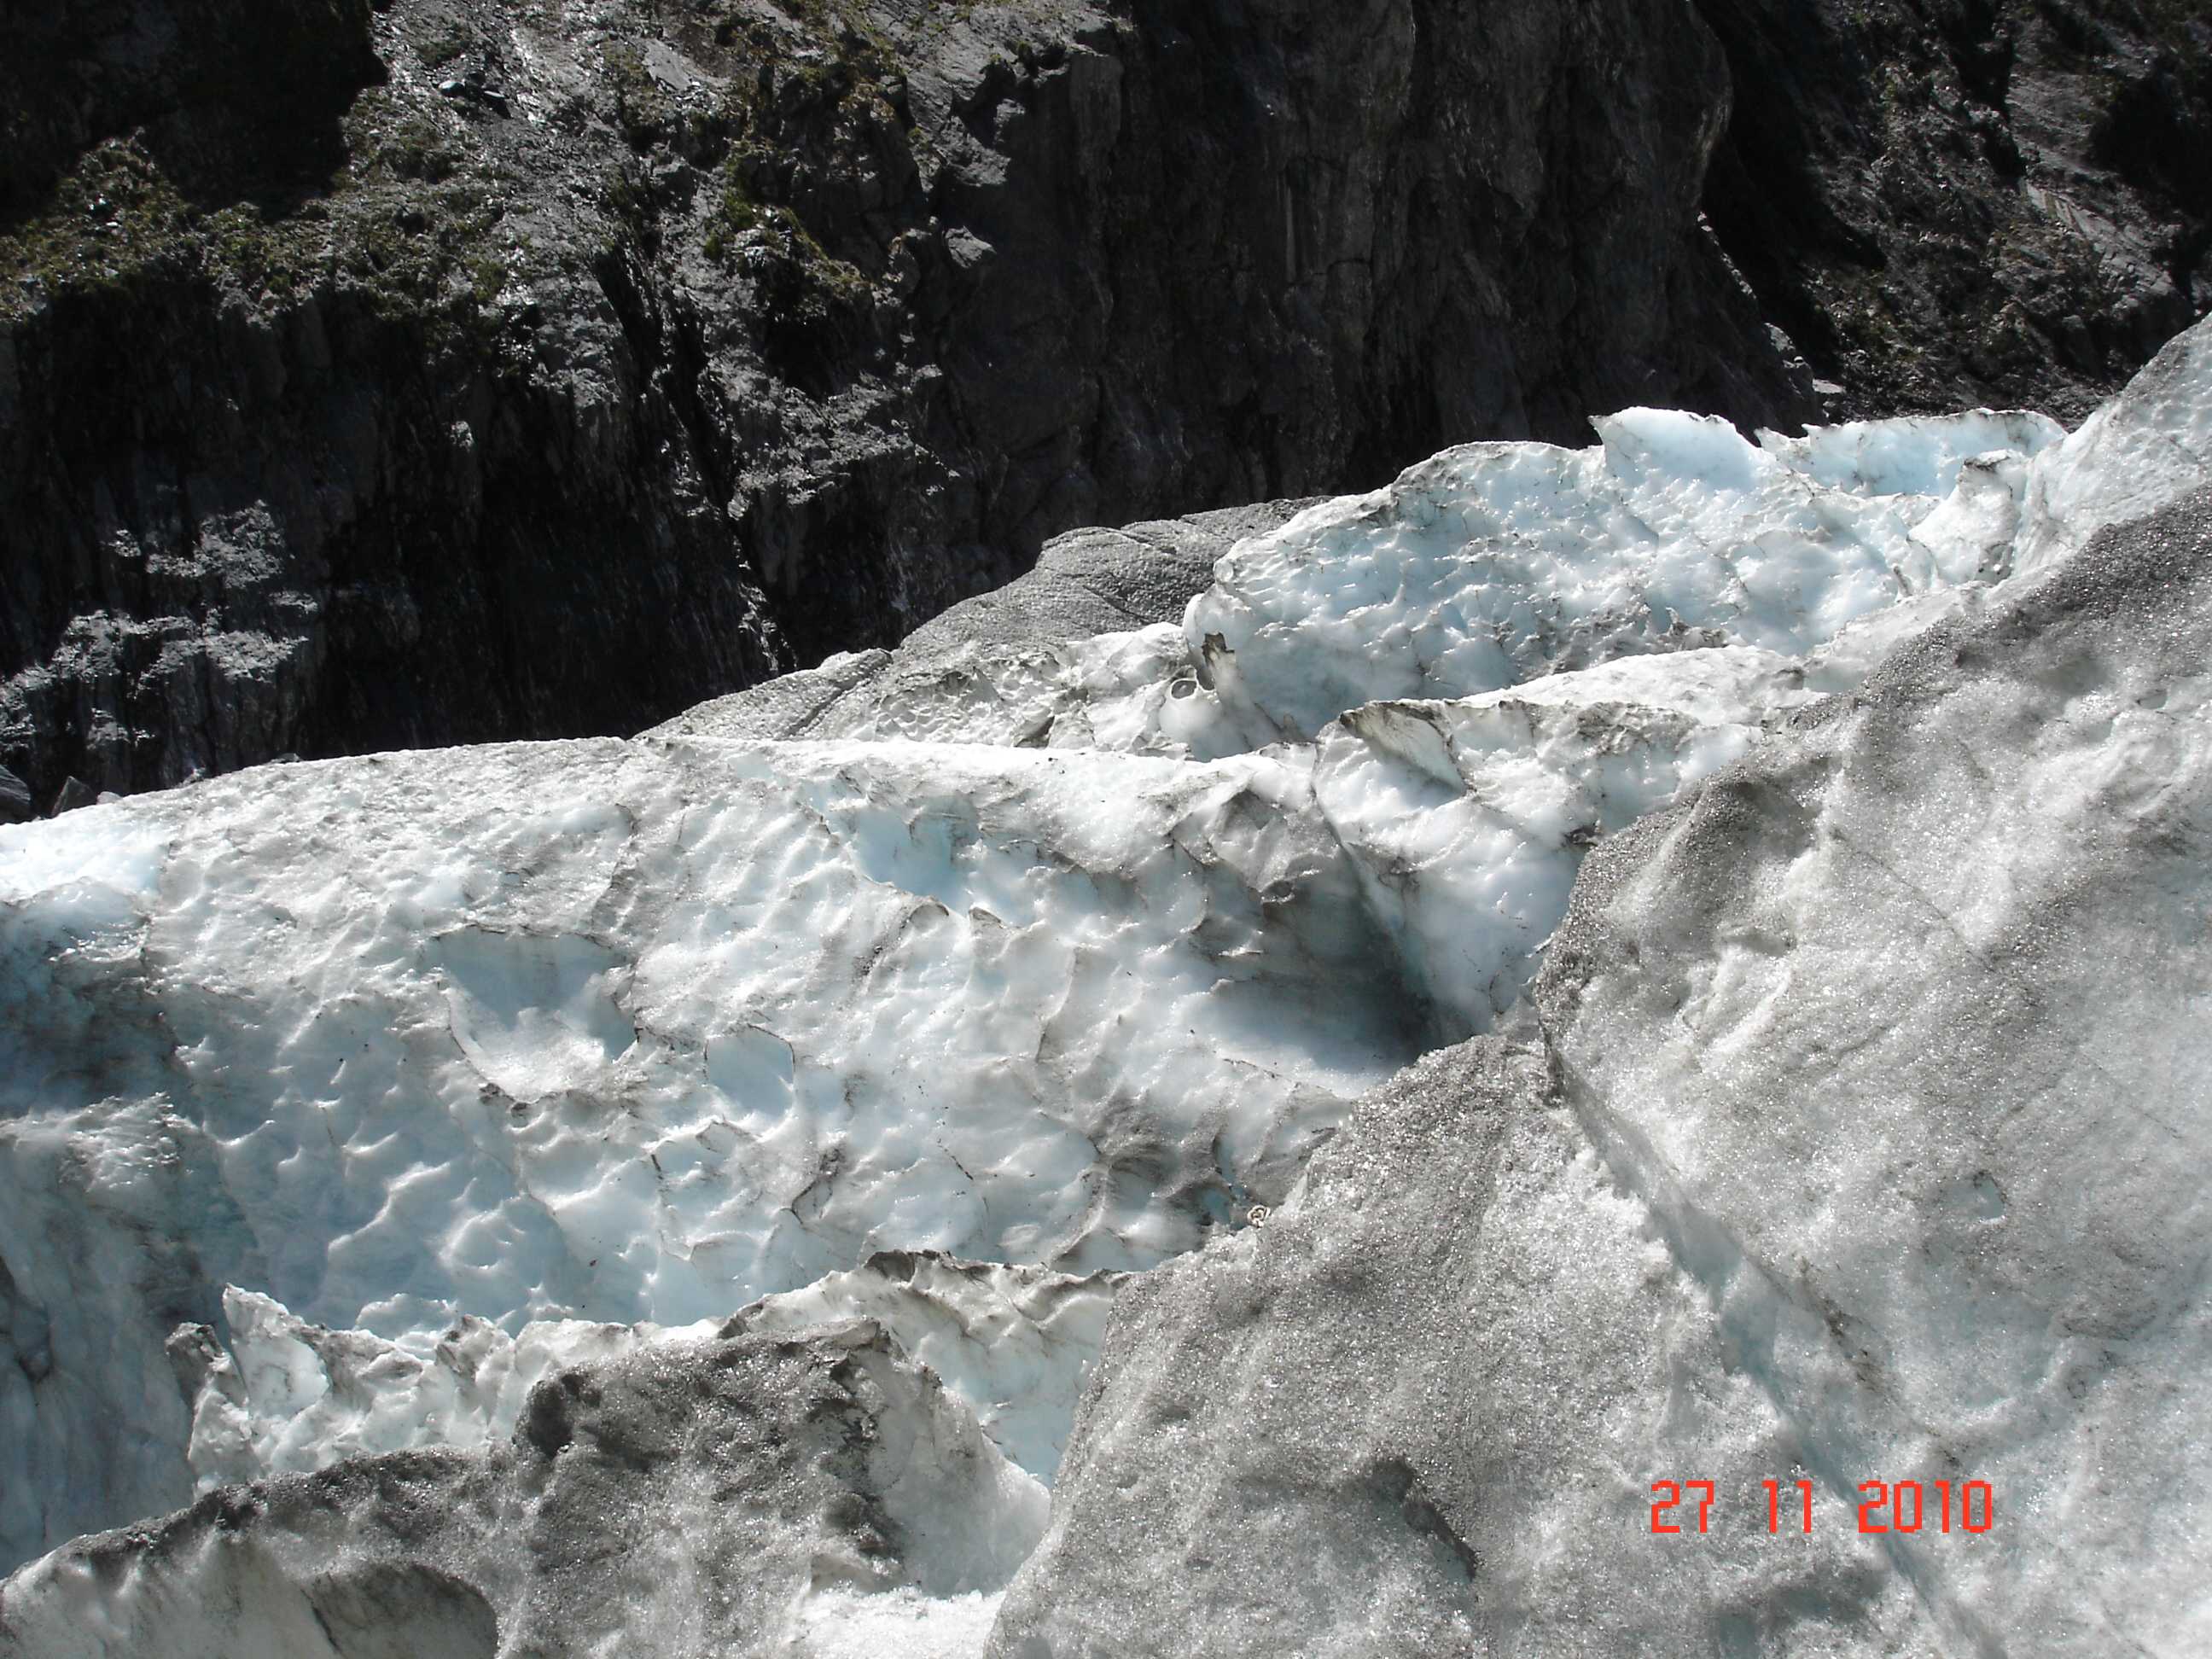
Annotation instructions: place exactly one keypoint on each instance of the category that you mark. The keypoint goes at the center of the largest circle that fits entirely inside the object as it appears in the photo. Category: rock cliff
(1968, 200)
(467, 369)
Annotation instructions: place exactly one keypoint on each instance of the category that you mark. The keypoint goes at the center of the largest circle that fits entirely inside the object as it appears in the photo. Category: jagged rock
(15, 798)
(739, 1495)
(235, 93)
(1950, 202)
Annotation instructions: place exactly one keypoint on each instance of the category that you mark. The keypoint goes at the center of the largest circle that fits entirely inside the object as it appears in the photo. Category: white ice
(621, 1032)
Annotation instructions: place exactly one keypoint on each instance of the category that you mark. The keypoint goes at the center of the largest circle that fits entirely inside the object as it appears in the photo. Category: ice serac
(1857, 1135)
(2150, 446)
(1467, 820)
(736, 1494)
(1495, 563)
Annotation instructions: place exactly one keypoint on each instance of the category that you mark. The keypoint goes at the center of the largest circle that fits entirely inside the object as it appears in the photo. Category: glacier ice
(355, 1114)
(605, 1031)
(276, 1395)
(1856, 1136)
(1466, 819)
(1496, 563)
(2149, 447)
(1420, 1412)
(736, 1493)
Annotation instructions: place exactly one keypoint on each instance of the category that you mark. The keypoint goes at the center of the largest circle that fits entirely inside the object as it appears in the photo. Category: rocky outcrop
(517, 371)
(1948, 202)
(459, 371)
(231, 94)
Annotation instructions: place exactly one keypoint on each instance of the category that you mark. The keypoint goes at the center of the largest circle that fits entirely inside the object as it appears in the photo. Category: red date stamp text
(1884, 1506)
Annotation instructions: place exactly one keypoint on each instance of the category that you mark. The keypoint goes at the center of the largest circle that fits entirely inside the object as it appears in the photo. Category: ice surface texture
(285, 1396)
(1862, 1137)
(352, 1108)
(622, 1032)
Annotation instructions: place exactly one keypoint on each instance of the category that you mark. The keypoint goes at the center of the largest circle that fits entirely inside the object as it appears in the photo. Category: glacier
(1269, 1128)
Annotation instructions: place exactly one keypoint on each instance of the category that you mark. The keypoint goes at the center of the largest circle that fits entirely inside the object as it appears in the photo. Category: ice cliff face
(1856, 1137)
(485, 1152)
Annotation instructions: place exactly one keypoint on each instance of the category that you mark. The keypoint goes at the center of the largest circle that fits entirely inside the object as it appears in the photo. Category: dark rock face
(508, 372)
(228, 93)
(461, 370)
(1951, 202)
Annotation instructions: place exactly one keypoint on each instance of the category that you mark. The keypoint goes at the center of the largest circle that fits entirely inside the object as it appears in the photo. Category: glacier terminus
(1266, 1129)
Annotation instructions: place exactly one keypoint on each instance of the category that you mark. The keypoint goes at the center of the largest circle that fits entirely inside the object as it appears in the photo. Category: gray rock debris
(1086, 582)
